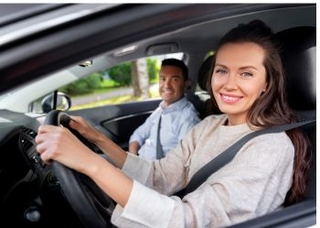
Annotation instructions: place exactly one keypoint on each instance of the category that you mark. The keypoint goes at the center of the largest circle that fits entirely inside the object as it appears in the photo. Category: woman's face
(239, 78)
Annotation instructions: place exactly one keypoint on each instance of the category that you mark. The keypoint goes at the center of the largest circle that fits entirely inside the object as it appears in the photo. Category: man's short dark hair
(177, 63)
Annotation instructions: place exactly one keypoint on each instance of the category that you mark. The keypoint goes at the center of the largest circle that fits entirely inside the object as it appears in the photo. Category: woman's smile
(230, 99)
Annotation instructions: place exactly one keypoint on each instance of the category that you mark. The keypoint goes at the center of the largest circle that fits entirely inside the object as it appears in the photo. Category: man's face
(171, 84)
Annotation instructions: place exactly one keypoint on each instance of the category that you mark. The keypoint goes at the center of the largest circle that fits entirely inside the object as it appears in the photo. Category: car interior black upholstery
(201, 100)
(299, 59)
(298, 52)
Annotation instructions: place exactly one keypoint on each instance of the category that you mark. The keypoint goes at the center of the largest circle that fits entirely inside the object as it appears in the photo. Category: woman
(247, 84)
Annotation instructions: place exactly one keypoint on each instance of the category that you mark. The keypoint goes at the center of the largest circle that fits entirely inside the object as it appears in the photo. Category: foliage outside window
(116, 85)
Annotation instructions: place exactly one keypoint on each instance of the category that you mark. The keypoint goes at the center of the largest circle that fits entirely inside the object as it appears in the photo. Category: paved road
(97, 97)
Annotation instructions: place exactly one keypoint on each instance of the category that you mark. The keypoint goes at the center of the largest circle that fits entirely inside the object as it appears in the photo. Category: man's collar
(178, 105)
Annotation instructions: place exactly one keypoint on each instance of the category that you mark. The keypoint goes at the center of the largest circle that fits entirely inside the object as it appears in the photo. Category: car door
(118, 121)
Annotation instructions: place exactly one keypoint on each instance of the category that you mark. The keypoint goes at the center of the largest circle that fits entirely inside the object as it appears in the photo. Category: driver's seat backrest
(298, 52)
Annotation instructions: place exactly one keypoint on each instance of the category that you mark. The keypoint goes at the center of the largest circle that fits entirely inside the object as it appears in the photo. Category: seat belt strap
(159, 150)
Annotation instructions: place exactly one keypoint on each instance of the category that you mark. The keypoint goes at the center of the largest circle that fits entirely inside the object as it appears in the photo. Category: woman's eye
(246, 74)
(220, 71)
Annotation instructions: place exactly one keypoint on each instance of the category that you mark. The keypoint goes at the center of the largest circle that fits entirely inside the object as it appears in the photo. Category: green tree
(153, 68)
(121, 74)
(82, 86)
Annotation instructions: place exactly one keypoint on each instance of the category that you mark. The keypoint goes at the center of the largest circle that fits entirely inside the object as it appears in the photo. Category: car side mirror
(56, 101)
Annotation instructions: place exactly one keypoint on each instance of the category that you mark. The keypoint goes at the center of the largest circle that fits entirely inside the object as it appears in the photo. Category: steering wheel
(89, 202)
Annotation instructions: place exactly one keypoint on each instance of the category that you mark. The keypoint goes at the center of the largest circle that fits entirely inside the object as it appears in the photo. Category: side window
(129, 81)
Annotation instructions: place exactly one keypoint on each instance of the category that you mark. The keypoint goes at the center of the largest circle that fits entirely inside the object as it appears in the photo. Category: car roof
(43, 38)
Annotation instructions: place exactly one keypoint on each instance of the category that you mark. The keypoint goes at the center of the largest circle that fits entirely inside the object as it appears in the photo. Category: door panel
(120, 120)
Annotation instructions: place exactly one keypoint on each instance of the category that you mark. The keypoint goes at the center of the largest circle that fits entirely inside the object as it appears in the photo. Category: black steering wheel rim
(89, 202)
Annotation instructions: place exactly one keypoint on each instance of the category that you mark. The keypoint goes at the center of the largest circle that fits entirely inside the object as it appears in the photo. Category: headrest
(298, 52)
(204, 72)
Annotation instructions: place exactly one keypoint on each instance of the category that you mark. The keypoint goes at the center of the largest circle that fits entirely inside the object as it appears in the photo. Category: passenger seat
(201, 99)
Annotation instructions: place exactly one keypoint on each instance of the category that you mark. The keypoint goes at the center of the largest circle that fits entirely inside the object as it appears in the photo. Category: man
(176, 113)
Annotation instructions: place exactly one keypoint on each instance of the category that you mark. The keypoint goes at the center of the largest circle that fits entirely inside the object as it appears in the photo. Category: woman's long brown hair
(272, 108)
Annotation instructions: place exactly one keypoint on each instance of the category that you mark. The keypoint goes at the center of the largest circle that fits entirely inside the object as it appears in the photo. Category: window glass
(129, 81)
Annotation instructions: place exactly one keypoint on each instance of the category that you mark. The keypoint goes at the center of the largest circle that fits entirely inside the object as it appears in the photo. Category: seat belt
(226, 156)
(159, 150)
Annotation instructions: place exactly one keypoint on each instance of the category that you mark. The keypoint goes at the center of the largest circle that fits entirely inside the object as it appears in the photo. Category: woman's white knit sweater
(255, 182)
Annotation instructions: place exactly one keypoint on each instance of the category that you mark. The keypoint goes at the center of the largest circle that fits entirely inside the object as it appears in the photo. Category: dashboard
(17, 148)
(29, 194)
